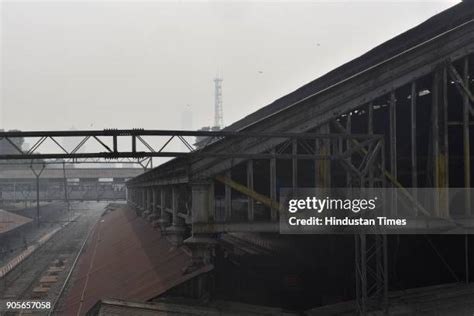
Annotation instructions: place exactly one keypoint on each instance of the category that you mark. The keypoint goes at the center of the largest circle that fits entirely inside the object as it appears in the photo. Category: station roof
(126, 259)
(10, 221)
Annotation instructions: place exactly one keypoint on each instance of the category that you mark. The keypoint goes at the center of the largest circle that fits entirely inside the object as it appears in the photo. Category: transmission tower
(218, 115)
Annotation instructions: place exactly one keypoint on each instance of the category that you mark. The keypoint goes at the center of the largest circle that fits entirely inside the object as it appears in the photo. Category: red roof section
(125, 259)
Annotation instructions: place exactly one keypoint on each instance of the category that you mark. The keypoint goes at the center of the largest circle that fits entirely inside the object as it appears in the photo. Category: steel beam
(413, 151)
(440, 142)
(348, 146)
(466, 137)
(164, 216)
(273, 187)
(228, 197)
(443, 145)
(435, 136)
(322, 166)
(294, 165)
(250, 201)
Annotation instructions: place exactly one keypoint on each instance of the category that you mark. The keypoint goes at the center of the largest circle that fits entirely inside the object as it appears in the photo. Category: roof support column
(164, 218)
(393, 147)
(440, 142)
(322, 166)
(136, 197)
(444, 147)
(148, 203)
(175, 233)
(141, 209)
(370, 131)
(273, 187)
(228, 197)
(413, 152)
(129, 196)
(466, 140)
(201, 245)
(349, 146)
(250, 202)
(154, 202)
(294, 164)
(153, 216)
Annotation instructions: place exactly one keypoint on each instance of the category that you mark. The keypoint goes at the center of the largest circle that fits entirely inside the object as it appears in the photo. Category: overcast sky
(109, 64)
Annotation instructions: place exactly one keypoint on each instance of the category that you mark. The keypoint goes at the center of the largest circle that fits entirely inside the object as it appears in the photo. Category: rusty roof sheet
(125, 259)
(10, 221)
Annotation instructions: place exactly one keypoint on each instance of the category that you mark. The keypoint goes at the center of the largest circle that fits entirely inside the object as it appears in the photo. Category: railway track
(52, 263)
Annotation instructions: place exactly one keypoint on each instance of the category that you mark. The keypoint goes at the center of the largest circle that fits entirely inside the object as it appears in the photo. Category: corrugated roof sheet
(10, 221)
(126, 259)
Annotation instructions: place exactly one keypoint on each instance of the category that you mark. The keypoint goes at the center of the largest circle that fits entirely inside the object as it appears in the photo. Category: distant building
(13, 146)
(202, 141)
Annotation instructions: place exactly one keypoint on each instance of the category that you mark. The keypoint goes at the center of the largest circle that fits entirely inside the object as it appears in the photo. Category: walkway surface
(126, 258)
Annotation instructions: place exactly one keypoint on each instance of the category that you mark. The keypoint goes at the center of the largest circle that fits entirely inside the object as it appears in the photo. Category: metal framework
(108, 141)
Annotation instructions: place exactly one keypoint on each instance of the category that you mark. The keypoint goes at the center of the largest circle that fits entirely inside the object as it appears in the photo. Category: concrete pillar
(143, 201)
(154, 215)
(154, 202)
(201, 202)
(148, 202)
(165, 217)
(176, 231)
(201, 245)
(161, 218)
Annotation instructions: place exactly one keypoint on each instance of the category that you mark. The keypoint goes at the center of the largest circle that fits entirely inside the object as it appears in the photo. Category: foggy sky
(108, 64)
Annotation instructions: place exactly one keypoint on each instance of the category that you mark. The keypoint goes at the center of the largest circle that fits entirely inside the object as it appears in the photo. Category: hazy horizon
(108, 64)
